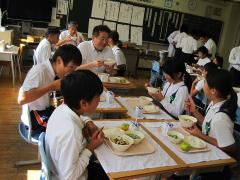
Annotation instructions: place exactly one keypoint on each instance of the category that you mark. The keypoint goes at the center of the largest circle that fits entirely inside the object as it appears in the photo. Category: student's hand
(158, 96)
(195, 81)
(189, 105)
(56, 84)
(147, 84)
(92, 127)
(96, 140)
(194, 131)
(67, 39)
(97, 63)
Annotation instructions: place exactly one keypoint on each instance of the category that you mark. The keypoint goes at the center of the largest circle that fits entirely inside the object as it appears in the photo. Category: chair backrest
(45, 174)
(34, 57)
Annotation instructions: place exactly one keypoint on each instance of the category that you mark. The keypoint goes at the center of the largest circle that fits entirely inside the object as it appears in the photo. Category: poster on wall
(111, 25)
(123, 31)
(136, 35)
(91, 24)
(98, 8)
(125, 13)
(62, 7)
(112, 11)
(137, 16)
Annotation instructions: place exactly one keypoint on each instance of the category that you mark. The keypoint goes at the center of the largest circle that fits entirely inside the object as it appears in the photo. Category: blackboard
(166, 21)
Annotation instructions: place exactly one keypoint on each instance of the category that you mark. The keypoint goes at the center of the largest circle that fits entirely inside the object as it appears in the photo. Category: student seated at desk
(217, 125)
(218, 60)
(202, 54)
(44, 49)
(209, 44)
(175, 91)
(118, 54)
(70, 36)
(39, 81)
(96, 51)
(67, 150)
(197, 87)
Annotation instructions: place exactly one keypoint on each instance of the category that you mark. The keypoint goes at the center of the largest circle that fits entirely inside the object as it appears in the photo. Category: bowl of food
(151, 108)
(175, 137)
(109, 62)
(111, 131)
(121, 142)
(137, 136)
(117, 80)
(152, 90)
(187, 121)
(195, 142)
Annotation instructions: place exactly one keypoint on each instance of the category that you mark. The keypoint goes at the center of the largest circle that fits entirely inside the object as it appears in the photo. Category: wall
(230, 12)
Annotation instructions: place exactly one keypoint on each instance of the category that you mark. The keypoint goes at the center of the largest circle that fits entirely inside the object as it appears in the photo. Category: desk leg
(13, 73)
(19, 69)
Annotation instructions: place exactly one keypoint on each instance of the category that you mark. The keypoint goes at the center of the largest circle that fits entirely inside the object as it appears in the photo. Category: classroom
(120, 89)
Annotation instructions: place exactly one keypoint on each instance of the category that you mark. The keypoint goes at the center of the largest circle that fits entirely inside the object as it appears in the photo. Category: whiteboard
(136, 35)
(123, 31)
(137, 16)
(112, 10)
(111, 25)
(125, 13)
(98, 8)
(91, 24)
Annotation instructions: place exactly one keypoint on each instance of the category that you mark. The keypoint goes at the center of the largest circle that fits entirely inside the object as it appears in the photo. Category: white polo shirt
(234, 58)
(65, 148)
(90, 54)
(171, 48)
(178, 39)
(200, 95)
(66, 33)
(221, 126)
(202, 62)
(43, 51)
(188, 45)
(39, 76)
(211, 46)
(119, 56)
(176, 107)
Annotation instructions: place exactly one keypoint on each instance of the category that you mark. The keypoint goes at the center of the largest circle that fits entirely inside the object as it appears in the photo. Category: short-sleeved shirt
(188, 45)
(90, 54)
(119, 56)
(178, 39)
(221, 126)
(202, 62)
(200, 95)
(212, 48)
(43, 51)
(39, 76)
(234, 58)
(66, 33)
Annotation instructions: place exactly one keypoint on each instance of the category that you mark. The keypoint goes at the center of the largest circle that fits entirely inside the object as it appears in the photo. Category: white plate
(144, 100)
(151, 108)
(195, 142)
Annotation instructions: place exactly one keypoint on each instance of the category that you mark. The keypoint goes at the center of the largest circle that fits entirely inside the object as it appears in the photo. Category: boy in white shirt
(171, 47)
(234, 61)
(66, 150)
(178, 40)
(96, 51)
(118, 54)
(39, 81)
(44, 49)
(209, 44)
(202, 54)
(71, 36)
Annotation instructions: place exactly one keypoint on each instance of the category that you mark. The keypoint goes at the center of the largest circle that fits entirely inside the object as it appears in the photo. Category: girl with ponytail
(217, 125)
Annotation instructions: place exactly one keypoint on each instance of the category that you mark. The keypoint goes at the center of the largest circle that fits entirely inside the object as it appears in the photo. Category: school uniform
(39, 76)
(202, 62)
(218, 125)
(43, 51)
(188, 46)
(90, 54)
(65, 145)
(200, 99)
(212, 48)
(120, 59)
(66, 33)
(175, 96)
(234, 60)
(171, 48)
(178, 39)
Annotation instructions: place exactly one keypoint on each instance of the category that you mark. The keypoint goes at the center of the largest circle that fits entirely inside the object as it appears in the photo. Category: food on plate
(144, 100)
(109, 62)
(195, 142)
(137, 136)
(124, 126)
(121, 142)
(151, 108)
(152, 90)
(175, 137)
(187, 121)
(185, 146)
(118, 80)
(108, 132)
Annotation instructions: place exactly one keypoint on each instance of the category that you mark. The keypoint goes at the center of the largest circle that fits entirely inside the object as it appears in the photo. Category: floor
(12, 147)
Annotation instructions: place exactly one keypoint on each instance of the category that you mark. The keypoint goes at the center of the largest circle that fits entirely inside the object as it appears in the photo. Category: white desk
(11, 56)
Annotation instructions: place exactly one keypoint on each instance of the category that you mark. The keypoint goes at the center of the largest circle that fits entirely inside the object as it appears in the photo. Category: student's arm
(96, 63)
(35, 93)
(194, 91)
(63, 41)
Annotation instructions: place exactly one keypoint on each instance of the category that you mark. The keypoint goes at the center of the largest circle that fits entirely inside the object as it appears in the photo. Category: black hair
(219, 61)
(114, 36)
(204, 34)
(80, 85)
(221, 80)
(68, 53)
(184, 28)
(72, 23)
(173, 66)
(52, 30)
(203, 49)
(209, 67)
(100, 28)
